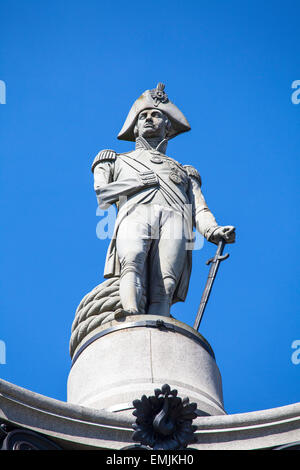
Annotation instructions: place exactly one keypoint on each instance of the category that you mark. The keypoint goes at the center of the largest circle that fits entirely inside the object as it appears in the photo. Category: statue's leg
(167, 258)
(132, 246)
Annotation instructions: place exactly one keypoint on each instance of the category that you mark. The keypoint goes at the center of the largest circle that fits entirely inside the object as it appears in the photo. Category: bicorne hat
(158, 99)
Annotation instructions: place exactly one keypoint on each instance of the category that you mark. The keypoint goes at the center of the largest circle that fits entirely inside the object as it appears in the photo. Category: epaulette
(104, 155)
(191, 171)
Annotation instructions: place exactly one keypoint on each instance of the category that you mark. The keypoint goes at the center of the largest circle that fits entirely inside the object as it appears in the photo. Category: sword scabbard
(214, 262)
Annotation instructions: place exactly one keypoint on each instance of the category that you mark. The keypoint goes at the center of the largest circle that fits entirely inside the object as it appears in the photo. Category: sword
(215, 262)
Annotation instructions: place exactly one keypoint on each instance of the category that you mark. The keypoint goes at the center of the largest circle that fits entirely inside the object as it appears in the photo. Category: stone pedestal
(123, 360)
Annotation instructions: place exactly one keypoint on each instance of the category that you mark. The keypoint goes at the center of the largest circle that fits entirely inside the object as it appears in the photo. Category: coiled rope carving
(97, 308)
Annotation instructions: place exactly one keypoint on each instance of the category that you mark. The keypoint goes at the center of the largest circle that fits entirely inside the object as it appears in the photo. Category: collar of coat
(141, 143)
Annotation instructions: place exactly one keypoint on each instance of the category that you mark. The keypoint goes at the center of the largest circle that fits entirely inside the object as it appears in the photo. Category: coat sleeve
(204, 220)
(109, 191)
(102, 177)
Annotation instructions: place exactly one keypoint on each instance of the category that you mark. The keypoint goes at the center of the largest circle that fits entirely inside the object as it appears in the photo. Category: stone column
(123, 360)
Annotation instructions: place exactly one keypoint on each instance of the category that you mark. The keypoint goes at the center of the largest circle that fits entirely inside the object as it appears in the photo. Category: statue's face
(152, 123)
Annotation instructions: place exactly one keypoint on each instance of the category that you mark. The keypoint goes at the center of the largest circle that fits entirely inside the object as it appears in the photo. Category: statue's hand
(227, 232)
(148, 178)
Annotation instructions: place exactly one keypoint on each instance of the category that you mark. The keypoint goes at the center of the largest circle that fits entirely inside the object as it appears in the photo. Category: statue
(159, 202)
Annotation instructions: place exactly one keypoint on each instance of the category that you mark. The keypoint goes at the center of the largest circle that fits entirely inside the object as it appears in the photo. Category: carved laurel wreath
(164, 421)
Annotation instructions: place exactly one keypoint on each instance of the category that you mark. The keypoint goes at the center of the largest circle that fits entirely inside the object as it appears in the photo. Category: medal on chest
(156, 158)
(176, 175)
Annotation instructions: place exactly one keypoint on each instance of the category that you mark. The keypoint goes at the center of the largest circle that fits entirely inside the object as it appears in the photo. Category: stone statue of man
(159, 202)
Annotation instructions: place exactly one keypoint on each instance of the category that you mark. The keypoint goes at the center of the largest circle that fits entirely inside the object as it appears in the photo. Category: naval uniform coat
(123, 179)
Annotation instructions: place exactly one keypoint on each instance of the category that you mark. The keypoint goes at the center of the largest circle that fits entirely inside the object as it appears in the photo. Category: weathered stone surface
(132, 358)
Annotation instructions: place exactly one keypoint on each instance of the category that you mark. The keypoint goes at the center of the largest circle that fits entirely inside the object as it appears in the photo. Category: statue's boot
(122, 313)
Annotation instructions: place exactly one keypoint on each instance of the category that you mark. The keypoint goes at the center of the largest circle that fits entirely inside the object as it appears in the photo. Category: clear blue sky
(72, 70)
